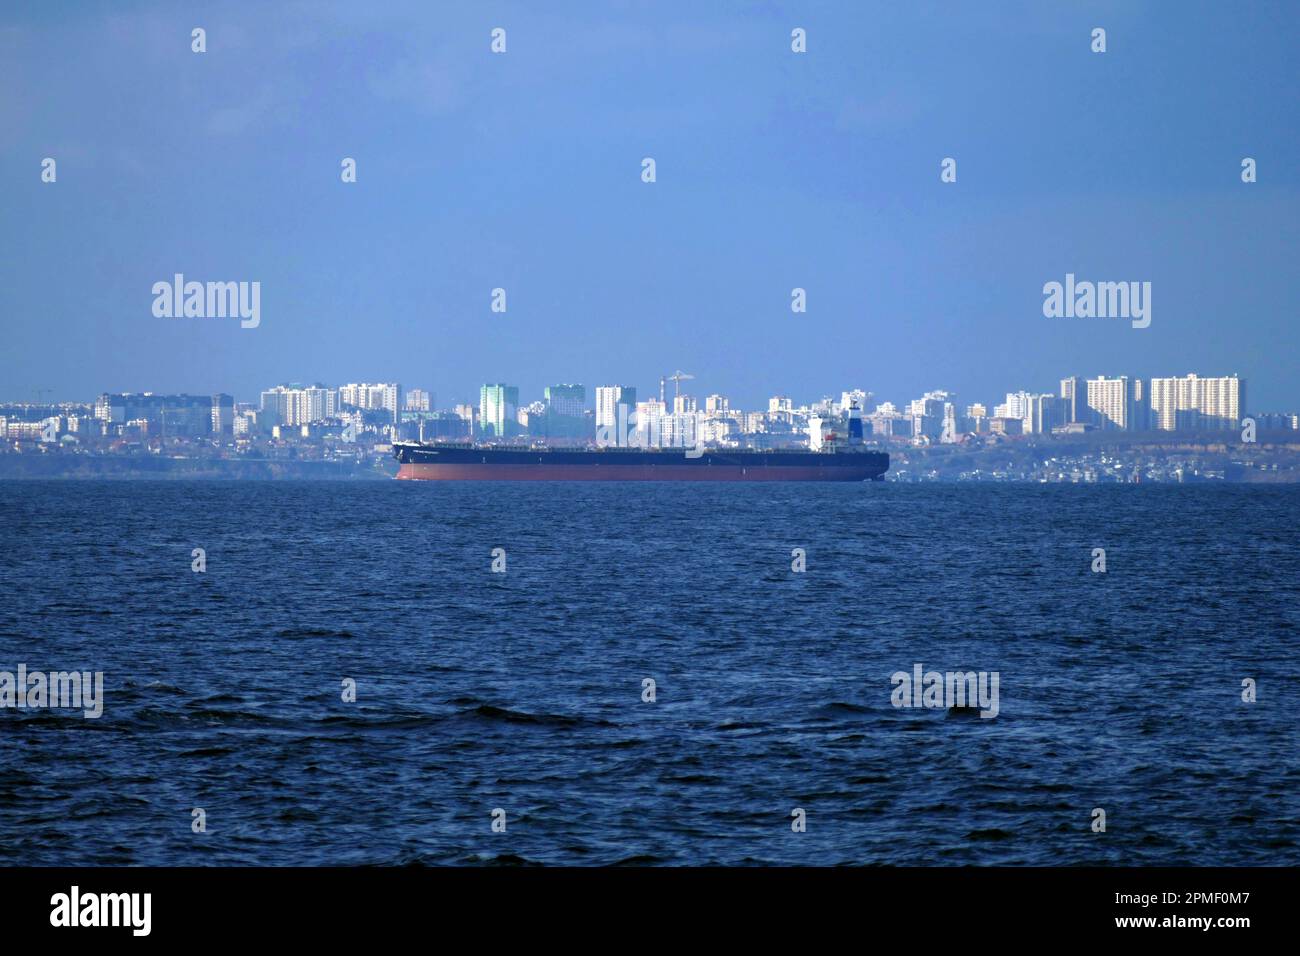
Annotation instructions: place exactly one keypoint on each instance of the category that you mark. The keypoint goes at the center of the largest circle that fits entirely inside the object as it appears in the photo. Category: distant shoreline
(108, 468)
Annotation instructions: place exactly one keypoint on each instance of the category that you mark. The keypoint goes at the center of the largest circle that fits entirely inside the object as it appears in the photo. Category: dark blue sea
(478, 691)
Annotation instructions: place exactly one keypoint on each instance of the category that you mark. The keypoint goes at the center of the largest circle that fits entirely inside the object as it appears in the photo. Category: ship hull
(425, 463)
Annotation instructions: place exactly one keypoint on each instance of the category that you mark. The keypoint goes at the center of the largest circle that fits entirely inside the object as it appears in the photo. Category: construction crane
(677, 378)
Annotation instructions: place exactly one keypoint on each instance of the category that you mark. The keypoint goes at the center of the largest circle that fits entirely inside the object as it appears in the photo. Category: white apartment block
(1188, 403)
(366, 396)
(1111, 401)
(616, 407)
(680, 430)
(650, 426)
(284, 405)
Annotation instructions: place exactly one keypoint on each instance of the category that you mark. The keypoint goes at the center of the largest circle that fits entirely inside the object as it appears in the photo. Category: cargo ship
(467, 462)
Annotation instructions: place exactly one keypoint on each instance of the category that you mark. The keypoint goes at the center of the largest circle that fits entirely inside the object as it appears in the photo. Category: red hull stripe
(471, 472)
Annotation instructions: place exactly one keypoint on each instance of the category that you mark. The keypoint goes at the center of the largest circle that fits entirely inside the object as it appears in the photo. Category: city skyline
(397, 397)
(1089, 429)
(1191, 402)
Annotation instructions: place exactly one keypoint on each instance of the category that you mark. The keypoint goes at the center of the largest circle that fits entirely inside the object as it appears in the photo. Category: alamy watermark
(75, 908)
(1100, 300)
(76, 690)
(658, 433)
(208, 300)
(953, 689)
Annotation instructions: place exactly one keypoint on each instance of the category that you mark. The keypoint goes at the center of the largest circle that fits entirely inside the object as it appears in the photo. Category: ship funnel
(855, 423)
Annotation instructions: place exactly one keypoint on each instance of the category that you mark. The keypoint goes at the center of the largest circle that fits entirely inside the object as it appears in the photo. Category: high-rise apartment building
(296, 405)
(1192, 403)
(1046, 412)
(615, 411)
(368, 397)
(223, 415)
(566, 406)
(468, 413)
(650, 423)
(569, 401)
(1018, 405)
(172, 416)
(498, 410)
(1111, 402)
(930, 412)
(1075, 392)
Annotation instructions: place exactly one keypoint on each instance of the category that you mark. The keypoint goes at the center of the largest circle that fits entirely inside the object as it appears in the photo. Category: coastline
(107, 468)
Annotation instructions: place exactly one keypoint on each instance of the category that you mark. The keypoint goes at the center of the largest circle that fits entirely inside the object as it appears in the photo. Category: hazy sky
(523, 171)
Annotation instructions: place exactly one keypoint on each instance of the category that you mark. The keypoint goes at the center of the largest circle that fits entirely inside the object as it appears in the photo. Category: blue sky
(522, 171)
